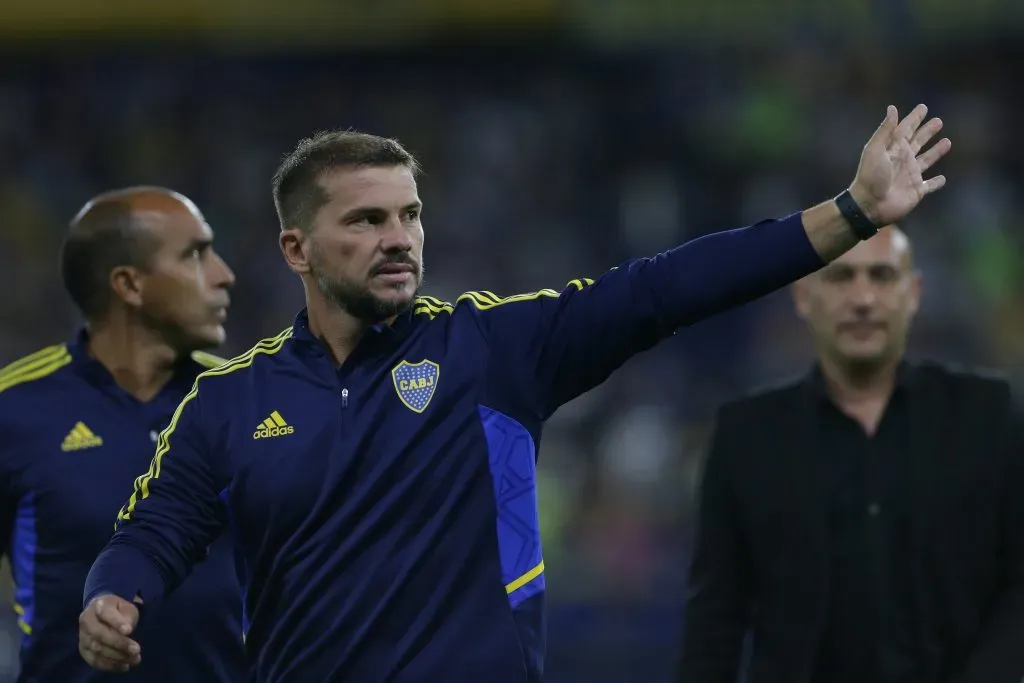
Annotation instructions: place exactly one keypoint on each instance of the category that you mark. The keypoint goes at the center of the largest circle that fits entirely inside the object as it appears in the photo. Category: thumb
(883, 134)
(116, 613)
(130, 614)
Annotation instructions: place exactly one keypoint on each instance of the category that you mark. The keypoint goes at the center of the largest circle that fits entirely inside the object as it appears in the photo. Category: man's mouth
(220, 313)
(395, 273)
(862, 328)
(395, 268)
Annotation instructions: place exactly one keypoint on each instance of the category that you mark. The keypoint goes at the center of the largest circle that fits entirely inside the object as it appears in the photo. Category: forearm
(726, 269)
(827, 231)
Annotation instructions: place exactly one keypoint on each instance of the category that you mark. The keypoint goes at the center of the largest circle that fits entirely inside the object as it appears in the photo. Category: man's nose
(395, 236)
(223, 276)
(863, 296)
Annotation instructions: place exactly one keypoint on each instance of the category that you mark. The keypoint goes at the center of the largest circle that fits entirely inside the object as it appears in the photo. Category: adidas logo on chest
(273, 426)
(79, 438)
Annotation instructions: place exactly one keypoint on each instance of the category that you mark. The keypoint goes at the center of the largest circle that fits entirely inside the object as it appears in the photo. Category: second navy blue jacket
(71, 441)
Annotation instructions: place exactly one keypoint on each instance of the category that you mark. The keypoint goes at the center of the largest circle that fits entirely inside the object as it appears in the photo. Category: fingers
(883, 134)
(105, 641)
(933, 184)
(101, 655)
(924, 134)
(110, 638)
(937, 151)
(909, 125)
(103, 630)
(103, 664)
(117, 614)
(97, 637)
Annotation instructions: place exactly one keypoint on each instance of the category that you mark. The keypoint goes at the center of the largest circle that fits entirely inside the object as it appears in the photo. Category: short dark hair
(105, 235)
(297, 191)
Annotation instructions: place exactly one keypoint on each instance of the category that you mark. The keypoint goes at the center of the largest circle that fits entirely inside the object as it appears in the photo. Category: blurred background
(559, 137)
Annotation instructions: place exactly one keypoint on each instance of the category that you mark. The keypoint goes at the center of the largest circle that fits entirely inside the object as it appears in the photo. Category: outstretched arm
(551, 346)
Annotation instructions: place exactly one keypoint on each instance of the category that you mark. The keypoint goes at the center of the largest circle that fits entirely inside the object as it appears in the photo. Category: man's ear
(294, 248)
(801, 298)
(916, 288)
(128, 284)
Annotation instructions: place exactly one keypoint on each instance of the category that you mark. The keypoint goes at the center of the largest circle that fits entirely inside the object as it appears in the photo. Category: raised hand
(890, 181)
(103, 630)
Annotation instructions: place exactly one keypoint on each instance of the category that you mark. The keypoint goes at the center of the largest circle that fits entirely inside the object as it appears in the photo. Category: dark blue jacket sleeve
(554, 346)
(172, 517)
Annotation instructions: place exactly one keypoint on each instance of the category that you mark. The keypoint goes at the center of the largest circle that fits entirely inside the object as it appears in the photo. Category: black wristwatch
(862, 226)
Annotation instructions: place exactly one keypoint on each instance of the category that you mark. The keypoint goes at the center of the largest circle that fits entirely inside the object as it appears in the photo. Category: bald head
(129, 209)
(889, 243)
(114, 229)
(898, 240)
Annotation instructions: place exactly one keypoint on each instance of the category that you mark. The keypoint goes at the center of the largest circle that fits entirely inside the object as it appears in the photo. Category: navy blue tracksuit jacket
(386, 510)
(71, 442)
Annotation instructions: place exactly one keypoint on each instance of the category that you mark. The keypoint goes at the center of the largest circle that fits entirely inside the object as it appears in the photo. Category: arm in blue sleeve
(558, 345)
(172, 517)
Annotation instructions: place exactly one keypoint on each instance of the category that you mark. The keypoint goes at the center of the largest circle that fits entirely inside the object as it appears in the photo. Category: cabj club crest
(416, 382)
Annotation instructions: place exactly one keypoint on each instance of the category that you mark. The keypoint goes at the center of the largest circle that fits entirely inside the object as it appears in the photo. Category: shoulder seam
(34, 366)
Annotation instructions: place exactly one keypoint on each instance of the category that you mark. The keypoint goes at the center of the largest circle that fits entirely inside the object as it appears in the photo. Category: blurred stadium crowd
(543, 166)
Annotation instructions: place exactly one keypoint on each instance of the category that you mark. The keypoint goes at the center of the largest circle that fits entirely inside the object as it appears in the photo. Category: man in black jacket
(865, 524)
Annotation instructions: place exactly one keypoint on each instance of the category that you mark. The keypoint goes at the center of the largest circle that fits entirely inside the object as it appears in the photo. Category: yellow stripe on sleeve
(34, 367)
(208, 360)
(48, 352)
(25, 627)
(428, 305)
(267, 346)
(484, 300)
(525, 578)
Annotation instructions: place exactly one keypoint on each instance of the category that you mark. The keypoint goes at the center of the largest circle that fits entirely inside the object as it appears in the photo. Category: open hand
(103, 630)
(889, 181)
